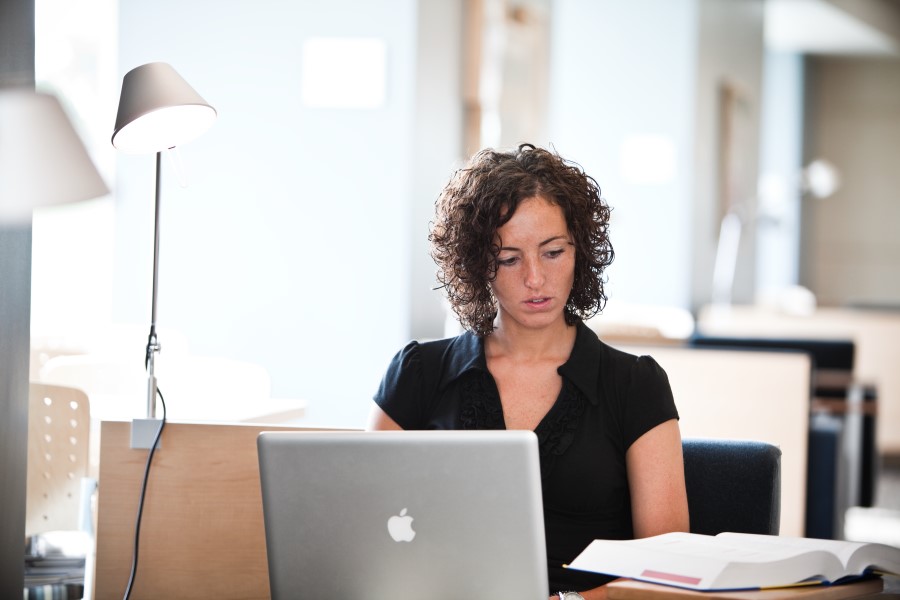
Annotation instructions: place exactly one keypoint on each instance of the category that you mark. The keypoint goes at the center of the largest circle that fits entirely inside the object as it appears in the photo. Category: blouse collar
(466, 353)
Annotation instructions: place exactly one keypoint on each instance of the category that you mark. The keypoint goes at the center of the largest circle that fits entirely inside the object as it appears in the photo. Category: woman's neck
(531, 344)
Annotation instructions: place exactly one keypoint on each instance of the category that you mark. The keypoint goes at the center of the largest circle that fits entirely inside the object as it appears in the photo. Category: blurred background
(749, 149)
(299, 243)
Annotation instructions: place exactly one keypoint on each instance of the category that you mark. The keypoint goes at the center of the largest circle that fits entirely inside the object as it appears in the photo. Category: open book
(733, 561)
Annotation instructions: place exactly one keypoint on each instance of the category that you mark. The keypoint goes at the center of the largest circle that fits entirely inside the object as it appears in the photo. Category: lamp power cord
(151, 347)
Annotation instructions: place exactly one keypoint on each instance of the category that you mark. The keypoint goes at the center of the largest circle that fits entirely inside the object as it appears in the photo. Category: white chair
(58, 440)
(59, 488)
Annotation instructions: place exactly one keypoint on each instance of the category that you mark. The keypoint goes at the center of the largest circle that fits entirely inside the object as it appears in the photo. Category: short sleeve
(401, 390)
(649, 400)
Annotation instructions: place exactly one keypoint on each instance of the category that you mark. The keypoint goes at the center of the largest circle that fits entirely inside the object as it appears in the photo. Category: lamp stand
(144, 431)
(152, 342)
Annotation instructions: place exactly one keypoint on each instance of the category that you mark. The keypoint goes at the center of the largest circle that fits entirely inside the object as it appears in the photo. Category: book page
(739, 548)
(855, 556)
(843, 550)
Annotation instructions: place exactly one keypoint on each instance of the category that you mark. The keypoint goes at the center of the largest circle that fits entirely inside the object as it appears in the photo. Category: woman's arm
(378, 420)
(656, 479)
(598, 593)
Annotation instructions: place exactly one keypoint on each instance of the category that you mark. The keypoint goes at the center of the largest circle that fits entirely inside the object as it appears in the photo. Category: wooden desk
(202, 534)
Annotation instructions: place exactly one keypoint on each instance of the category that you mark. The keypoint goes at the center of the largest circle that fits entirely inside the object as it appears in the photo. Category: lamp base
(143, 432)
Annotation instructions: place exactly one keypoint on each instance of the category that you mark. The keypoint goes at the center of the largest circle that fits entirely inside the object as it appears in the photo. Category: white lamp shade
(158, 110)
(42, 159)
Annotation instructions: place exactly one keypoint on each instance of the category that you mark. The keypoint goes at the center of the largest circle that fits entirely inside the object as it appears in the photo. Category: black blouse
(608, 400)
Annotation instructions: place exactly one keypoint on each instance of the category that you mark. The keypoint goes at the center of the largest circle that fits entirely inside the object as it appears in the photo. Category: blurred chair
(58, 511)
(732, 485)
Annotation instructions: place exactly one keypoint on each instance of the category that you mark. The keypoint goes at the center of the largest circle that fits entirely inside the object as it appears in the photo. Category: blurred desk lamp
(819, 179)
(42, 159)
(158, 110)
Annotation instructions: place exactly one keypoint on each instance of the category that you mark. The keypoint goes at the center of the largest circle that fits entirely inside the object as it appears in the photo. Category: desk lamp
(42, 159)
(158, 110)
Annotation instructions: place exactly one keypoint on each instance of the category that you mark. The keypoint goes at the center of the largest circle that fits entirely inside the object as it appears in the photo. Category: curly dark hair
(482, 196)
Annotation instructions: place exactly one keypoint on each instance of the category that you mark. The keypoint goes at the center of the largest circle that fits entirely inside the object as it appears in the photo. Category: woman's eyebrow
(554, 238)
(544, 243)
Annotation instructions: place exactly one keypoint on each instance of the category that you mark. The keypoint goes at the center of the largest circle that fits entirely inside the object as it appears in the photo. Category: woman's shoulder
(465, 344)
(448, 358)
(437, 353)
(615, 359)
(588, 343)
(419, 371)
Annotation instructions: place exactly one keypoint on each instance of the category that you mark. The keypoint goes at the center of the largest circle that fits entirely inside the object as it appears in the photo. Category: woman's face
(536, 266)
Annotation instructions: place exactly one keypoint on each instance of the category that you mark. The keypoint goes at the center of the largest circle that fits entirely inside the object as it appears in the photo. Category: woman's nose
(534, 273)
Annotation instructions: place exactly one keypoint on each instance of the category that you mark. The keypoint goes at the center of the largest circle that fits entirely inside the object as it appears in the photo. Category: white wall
(619, 70)
(437, 139)
(781, 161)
(729, 50)
(290, 247)
(654, 68)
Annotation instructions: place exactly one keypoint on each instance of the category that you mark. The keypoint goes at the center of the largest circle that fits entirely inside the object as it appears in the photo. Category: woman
(520, 240)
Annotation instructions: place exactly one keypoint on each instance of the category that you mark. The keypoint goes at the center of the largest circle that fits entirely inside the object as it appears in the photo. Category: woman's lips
(537, 302)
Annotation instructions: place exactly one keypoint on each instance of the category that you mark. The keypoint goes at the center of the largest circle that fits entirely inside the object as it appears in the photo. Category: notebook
(403, 515)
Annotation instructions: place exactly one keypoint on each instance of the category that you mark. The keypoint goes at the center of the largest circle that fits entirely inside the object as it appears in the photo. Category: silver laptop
(403, 515)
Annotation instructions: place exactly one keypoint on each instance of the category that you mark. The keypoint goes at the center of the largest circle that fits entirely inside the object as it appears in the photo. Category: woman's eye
(507, 262)
(555, 253)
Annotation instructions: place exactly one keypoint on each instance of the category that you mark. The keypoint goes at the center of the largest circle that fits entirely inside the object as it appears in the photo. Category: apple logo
(400, 527)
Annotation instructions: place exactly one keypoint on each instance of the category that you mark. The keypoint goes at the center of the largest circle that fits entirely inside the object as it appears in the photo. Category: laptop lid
(403, 515)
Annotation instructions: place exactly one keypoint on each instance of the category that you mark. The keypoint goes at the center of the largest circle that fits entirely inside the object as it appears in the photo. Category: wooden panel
(202, 534)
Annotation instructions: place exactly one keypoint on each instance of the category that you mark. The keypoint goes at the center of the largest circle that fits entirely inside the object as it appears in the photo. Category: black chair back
(732, 485)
